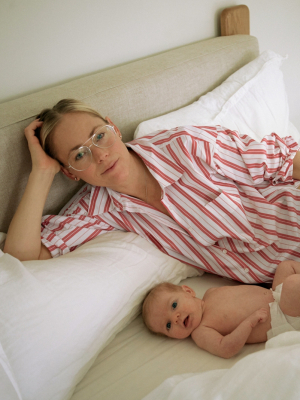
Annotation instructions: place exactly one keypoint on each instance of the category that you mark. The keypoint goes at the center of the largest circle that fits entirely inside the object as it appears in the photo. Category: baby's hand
(262, 315)
(259, 316)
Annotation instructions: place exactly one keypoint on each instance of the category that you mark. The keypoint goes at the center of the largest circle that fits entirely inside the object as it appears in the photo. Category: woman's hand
(40, 160)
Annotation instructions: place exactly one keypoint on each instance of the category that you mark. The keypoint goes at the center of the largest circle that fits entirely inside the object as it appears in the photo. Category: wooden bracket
(235, 21)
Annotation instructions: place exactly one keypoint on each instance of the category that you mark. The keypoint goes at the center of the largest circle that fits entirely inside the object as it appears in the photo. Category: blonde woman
(204, 195)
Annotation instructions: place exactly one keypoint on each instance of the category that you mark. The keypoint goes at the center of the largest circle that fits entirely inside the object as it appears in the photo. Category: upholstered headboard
(128, 94)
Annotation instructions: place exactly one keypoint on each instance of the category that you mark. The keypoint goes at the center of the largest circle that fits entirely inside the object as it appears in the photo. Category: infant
(227, 317)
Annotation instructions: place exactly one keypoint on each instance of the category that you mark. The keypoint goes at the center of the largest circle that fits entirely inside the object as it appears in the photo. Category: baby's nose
(177, 318)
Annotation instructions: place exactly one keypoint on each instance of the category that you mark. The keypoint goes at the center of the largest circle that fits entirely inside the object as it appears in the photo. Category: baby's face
(175, 314)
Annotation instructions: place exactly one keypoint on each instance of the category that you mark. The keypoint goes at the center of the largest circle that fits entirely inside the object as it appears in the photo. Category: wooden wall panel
(235, 21)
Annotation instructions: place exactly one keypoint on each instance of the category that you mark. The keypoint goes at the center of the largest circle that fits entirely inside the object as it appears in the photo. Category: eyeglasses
(81, 158)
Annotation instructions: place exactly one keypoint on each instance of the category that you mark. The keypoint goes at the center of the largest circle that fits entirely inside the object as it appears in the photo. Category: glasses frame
(88, 147)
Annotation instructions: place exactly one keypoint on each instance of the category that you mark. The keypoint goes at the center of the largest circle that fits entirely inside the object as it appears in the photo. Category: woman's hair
(52, 116)
(152, 295)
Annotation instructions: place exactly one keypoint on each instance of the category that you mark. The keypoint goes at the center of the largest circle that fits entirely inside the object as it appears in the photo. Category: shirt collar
(159, 162)
(103, 200)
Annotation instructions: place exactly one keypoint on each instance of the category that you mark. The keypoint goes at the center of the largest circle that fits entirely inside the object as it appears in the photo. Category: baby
(227, 317)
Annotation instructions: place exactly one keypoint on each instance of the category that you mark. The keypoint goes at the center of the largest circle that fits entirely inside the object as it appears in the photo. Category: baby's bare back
(226, 307)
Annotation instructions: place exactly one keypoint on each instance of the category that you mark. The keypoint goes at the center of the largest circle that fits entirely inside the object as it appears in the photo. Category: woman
(205, 196)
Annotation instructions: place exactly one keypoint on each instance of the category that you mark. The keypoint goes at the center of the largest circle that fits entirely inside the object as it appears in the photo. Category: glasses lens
(81, 158)
(104, 136)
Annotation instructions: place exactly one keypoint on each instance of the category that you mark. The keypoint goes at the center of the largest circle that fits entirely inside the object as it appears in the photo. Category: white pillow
(259, 106)
(253, 101)
(57, 315)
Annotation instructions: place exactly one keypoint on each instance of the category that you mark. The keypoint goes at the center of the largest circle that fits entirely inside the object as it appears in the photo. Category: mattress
(137, 361)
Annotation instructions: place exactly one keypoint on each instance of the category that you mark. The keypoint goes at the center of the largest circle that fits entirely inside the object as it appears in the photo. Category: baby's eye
(174, 305)
(168, 326)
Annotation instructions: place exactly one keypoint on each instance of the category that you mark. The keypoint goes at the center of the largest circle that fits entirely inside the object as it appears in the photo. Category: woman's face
(109, 167)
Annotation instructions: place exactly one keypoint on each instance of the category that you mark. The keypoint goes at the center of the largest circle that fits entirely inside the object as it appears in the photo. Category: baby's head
(172, 310)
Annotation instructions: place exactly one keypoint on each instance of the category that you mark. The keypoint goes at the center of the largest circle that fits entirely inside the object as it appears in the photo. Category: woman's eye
(99, 136)
(168, 326)
(79, 156)
(174, 305)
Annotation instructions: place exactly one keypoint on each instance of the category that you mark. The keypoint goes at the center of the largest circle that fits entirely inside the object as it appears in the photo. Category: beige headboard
(128, 94)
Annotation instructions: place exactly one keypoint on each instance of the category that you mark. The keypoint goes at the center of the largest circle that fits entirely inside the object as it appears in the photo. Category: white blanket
(270, 374)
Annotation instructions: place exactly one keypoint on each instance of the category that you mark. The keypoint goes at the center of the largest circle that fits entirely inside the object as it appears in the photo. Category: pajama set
(234, 203)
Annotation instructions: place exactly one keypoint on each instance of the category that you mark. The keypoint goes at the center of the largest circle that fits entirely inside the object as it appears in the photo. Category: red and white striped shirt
(234, 203)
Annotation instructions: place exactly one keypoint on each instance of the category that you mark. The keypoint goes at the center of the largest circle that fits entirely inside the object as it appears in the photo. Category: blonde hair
(152, 295)
(52, 116)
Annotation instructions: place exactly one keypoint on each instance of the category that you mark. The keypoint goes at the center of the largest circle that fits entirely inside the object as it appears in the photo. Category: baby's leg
(284, 270)
(290, 296)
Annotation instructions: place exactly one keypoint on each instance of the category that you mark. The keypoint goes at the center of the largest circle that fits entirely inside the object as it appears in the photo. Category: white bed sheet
(136, 361)
(272, 374)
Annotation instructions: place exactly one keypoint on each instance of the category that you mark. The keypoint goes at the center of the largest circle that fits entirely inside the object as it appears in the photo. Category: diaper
(279, 321)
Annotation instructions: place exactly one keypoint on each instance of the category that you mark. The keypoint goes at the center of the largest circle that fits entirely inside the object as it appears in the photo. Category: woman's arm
(296, 166)
(246, 161)
(23, 239)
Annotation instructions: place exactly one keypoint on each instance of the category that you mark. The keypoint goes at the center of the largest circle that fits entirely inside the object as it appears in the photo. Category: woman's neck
(136, 183)
(142, 184)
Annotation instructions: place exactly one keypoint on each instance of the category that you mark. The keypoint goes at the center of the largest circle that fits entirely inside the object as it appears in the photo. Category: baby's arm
(228, 346)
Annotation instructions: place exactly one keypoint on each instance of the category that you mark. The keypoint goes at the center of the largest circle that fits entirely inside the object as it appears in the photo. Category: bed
(70, 327)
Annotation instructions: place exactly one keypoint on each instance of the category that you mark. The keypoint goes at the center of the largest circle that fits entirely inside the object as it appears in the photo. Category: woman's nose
(99, 154)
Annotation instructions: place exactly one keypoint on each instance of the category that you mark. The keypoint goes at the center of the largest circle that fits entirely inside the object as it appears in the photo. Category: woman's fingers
(40, 160)
(30, 130)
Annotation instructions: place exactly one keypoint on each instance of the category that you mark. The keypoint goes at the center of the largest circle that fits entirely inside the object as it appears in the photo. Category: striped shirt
(234, 203)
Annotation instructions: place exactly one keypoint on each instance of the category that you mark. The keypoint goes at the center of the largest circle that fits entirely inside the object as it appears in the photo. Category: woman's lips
(110, 168)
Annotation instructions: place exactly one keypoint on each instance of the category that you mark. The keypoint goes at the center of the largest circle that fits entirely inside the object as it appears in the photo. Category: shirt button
(224, 251)
(246, 270)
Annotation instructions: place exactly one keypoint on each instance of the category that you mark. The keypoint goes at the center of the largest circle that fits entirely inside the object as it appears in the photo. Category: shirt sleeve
(218, 214)
(246, 161)
(72, 227)
(61, 234)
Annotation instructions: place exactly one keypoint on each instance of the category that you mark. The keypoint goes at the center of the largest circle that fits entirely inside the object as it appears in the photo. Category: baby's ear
(187, 289)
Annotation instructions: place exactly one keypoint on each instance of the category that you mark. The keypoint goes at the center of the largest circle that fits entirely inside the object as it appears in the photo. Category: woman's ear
(189, 290)
(116, 128)
(68, 174)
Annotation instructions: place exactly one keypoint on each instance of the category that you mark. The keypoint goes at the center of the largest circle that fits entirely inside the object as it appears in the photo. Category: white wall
(276, 25)
(45, 42)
